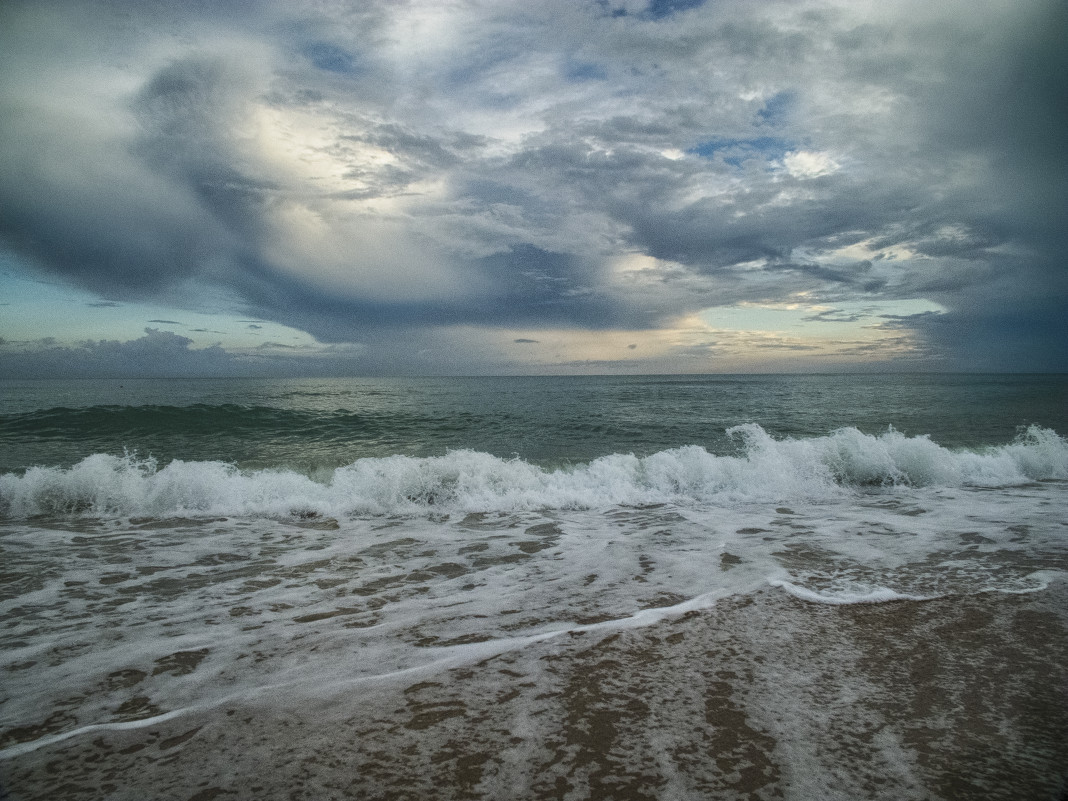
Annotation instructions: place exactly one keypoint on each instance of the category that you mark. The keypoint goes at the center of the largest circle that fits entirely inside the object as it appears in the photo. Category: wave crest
(463, 481)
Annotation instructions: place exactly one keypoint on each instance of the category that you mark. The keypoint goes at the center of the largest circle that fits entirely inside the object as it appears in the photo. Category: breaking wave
(765, 469)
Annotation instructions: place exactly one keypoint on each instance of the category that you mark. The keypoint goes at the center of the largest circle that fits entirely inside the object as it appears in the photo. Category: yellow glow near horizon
(799, 335)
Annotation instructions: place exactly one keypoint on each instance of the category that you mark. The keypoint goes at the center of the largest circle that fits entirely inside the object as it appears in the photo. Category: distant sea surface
(572, 587)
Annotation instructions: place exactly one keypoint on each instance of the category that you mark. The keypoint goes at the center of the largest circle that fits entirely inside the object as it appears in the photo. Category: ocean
(659, 587)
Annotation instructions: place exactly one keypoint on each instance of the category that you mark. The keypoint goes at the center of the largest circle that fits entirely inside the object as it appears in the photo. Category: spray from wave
(766, 470)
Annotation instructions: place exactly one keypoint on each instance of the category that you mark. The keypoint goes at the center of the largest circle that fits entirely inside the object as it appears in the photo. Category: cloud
(163, 354)
(329, 57)
(835, 316)
(157, 353)
(384, 172)
(808, 164)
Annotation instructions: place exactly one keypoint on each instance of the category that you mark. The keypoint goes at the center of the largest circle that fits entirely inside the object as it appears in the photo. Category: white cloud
(809, 164)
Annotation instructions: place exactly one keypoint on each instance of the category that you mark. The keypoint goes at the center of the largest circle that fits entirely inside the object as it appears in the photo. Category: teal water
(309, 424)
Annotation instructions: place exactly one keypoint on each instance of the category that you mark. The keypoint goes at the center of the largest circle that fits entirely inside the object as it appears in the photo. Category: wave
(767, 469)
(228, 418)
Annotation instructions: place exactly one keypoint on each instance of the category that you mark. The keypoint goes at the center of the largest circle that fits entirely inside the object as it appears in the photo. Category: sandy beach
(760, 697)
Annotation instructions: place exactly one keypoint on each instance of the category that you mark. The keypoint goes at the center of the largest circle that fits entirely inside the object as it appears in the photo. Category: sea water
(180, 549)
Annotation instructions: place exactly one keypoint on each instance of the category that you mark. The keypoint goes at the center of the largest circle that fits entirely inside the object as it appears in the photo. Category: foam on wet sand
(763, 695)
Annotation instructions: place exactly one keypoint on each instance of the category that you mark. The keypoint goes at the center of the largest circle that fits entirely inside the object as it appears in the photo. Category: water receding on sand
(862, 647)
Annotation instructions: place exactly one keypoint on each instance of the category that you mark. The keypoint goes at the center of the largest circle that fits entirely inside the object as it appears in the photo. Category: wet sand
(760, 697)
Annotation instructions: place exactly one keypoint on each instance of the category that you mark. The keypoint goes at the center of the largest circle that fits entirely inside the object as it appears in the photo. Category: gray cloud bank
(164, 354)
(368, 172)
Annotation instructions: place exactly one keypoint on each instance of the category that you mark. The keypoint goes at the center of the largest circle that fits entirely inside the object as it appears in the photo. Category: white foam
(1042, 579)
(879, 595)
(284, 610)
(24, 748)
(768, 470)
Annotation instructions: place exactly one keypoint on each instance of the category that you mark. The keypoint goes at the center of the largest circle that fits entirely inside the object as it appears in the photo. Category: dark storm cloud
(79, 203)
(369, 171)
(538, 286)
(1012, 111)
(188, 113)
(523, 287)
(110, 228)
(1013, 322)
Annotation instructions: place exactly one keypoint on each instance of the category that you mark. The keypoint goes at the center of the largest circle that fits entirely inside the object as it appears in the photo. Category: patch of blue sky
(656, 10)
(659, 9)
(330, 58)
(34, 307)
(778, 108)
(736, 152)
(580, 71)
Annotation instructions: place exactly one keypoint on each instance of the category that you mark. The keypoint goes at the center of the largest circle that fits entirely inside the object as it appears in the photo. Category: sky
(289, 187)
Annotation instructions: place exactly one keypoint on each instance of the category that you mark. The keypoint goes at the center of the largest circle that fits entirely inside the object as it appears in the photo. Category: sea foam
(878, 595)
(765, 470)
